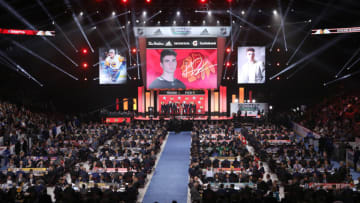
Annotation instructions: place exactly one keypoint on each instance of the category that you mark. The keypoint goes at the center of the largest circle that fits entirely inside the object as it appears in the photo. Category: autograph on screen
(196, 67)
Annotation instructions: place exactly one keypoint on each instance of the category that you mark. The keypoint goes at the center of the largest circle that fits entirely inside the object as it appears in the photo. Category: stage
(196, 118)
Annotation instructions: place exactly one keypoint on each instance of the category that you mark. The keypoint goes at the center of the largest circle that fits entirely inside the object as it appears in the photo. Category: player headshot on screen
(167, 80)
(252, 71)
(114, 64)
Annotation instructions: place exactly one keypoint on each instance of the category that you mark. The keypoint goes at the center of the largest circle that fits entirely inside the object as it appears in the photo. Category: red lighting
(84, 51)
(228, 64)
(203, 1)
(148, 1)
(85, 65)
(278, 49)
(133, 50)
(229, 1)
(278, 78)
(228, 50)
(124, 1)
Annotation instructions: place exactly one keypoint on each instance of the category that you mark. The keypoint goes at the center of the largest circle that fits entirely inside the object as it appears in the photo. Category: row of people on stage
(178, 108)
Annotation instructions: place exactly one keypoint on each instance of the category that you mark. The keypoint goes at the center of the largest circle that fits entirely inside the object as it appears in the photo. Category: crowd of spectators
(304, 170)
(222, 169)
(82, 162)
(338, 118)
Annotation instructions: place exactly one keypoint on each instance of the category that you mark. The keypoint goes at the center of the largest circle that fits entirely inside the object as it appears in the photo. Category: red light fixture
(134, 50)
(85, 65)
(229, 1)
(84, 51)
(203, 1)
(228, 50)
(148, 1)
(124, 1)
(228, 64)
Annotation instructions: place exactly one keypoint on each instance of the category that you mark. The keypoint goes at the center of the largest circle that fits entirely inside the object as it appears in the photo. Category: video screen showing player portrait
(112, 66)
(181, 63)
(251, 65)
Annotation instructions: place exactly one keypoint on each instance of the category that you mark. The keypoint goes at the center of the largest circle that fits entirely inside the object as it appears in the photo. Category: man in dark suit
(356, 157)
(209, 195)
(21, 146)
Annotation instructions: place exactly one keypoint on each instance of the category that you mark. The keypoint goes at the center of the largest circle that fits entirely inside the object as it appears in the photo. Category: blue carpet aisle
(170, 180)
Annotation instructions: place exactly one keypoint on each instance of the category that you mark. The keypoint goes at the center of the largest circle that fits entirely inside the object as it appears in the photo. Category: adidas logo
(158, 32)
(168, 44)
(204, 32)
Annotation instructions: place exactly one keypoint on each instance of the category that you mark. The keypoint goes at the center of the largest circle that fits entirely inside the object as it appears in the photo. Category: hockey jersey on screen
(114, 63)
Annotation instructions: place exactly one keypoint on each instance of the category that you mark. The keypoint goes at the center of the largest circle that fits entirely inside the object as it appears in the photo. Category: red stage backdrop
(199, 100)
(196, 68)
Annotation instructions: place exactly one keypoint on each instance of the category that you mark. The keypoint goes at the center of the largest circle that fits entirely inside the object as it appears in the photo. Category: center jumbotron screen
(182, 68)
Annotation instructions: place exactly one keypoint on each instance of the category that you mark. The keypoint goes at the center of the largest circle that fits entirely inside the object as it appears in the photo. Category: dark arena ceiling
(317, 60)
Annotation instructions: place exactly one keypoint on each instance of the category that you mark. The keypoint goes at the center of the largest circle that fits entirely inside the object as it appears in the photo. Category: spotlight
(137, 21)
(124, 1)
(275, 12)
(204, 22)
(228, 78)
(188, 22)
(228, 50)
(113, 13)
(229, 1)
(85, 78)
(278, 49)
(174, 22)
(178, 13)
(228, 64)
(209, 13)
(270, 107)
(85, 65)
(158, 22)
(144, 13)
(148, 1)
(134, 50)
(254, 101)
(84, 51)
(218, 21)
(129, 22)
(81, 13)
(203, 1)
(278, 64)
(243, 12)
(278, 78)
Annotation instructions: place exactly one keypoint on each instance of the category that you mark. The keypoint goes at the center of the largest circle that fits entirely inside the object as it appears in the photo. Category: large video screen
(112, 66)
(181, 63)
(251, 65)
